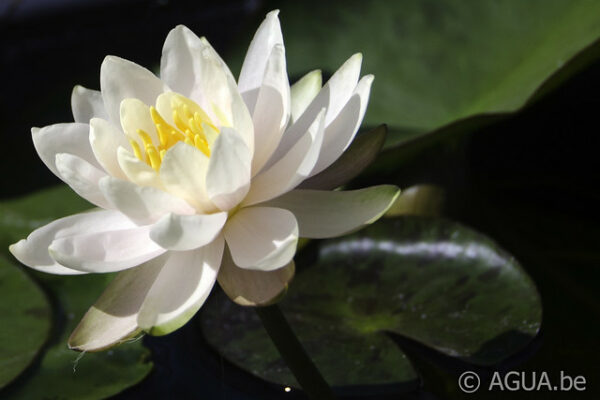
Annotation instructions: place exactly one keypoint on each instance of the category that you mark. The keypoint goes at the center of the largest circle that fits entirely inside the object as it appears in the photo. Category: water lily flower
(196, 177)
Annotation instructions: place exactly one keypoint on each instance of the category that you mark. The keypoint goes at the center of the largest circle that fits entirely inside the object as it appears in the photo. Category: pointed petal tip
(273, 14)
(110, 58)
(14, 248)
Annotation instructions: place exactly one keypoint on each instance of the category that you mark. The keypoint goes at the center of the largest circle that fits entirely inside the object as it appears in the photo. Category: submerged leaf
(432, 280)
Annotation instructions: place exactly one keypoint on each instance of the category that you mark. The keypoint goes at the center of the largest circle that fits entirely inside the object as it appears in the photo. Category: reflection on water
(442, 249)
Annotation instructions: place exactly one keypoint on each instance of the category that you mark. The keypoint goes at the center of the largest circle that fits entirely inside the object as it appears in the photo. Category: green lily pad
(66, 374)
(26, 319)
(440, 61)
(63, 373)
(20, 216)
(432, 280)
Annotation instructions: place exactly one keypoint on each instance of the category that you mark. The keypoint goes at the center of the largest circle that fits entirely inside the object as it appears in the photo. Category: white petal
(107, 251)
(272, 110)
(113, 318)
(105, 139)
(187, 232)
(228, 176)
(142, 204)
(72, 138)
(82, 177)
(333, 96)
(183, 173)
(182, 287)
(121, 79)
(253, 288)
(33, 251)
(87, 104)
(134, 115)
(137, 171)
(291, 169)
(324, 214)
(193, 68)
(253, 69)
(341, 131)
(304, 91)
(177, 64)
(262, 238)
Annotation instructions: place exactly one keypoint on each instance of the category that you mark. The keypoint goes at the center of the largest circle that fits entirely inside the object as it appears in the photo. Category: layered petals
(183, 173)
(105, 139)
(249, 287)
(71, 138)
(87, 104)
(33, 251)
(113, 318)
(82, 177)
(193, 68)
(340, 132)
(228, 175)
(142, 204)
(290, 170)
(272, 108)
(261, 238)
(304, 91)
(252, 74)
(187, 232)
(333, 97)
(181, 288)
(157, 297)
(105, 251)
(325, 214)
(137, 171)
(122, 79)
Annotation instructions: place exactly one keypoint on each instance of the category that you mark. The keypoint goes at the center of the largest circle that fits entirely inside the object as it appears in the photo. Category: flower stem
(294, 355)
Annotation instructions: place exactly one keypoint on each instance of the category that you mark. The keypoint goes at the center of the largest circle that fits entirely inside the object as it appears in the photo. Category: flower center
(191, 125)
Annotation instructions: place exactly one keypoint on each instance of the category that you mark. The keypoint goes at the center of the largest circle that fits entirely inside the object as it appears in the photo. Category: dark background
(529, 181)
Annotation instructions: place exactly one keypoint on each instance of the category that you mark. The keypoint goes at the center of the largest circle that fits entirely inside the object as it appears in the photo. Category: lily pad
(438, 61)
(63, 373)
(26, 319)
(20, 216)
(66, 374)
(432, 280)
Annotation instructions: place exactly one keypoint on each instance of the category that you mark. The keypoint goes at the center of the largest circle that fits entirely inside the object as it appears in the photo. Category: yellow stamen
(192, 126)
(163, 136)
(153, 156)
(179, 121)
(202, 145)
(145, 138)
(136, 149)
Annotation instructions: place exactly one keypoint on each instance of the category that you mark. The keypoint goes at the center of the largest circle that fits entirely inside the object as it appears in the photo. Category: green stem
(293, 353)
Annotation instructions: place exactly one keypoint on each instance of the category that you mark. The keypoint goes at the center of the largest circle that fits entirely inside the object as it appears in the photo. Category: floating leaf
(432, 280)
(19, 217)
(64, 373)
(26, 319)
(436, 62)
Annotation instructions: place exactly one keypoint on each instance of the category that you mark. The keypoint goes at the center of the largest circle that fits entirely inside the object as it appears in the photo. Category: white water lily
(196, 179)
